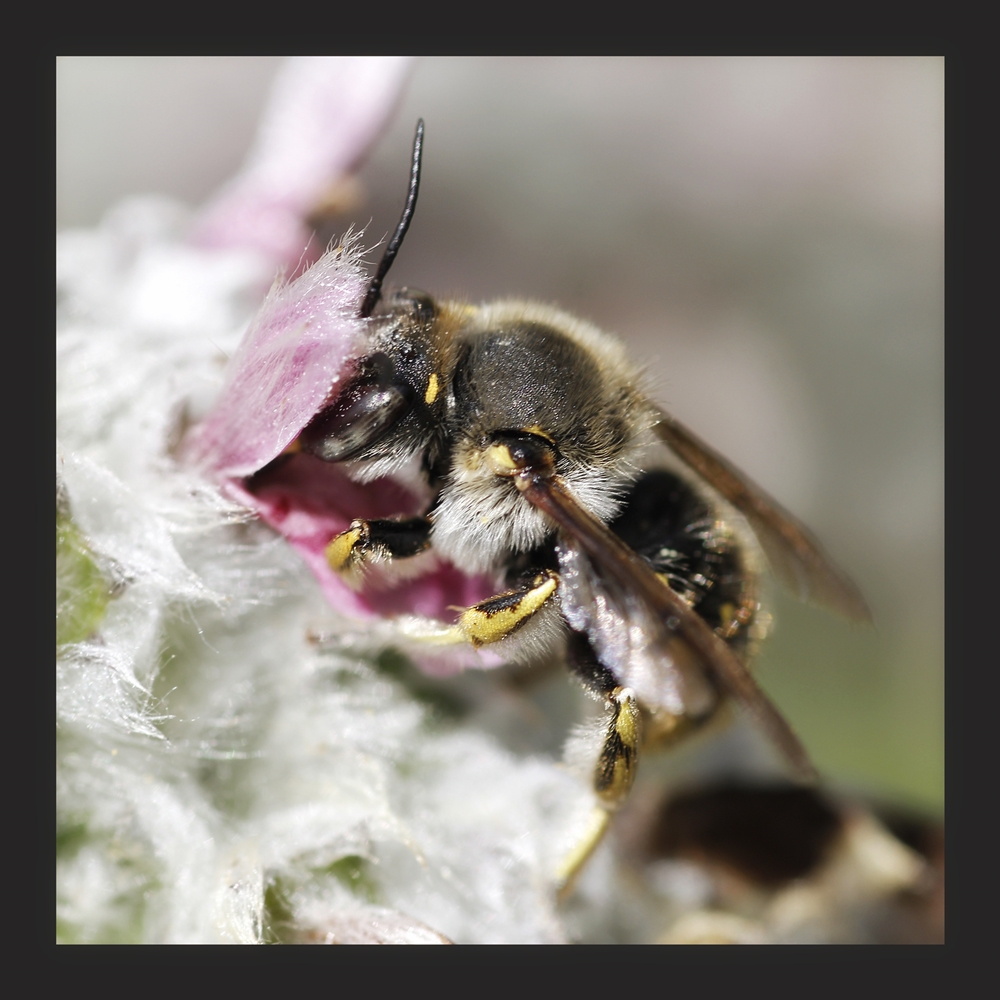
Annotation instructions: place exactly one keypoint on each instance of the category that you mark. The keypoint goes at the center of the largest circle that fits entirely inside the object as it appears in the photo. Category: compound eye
(365, 412)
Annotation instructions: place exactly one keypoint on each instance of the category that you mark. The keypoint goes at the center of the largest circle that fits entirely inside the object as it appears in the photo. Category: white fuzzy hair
(217, 766)
(481, 517)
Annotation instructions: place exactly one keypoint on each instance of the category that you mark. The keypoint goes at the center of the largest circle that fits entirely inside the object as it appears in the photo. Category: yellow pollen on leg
(482, 626)
(619, 756)
(433, 388)
(338, 553)
(627, 722)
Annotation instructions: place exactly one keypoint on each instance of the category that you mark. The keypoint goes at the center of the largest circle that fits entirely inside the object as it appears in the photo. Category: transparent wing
(645, 654)
(647, 634)
(796, 557)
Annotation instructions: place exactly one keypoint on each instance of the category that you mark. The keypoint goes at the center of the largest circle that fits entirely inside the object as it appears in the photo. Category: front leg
(377, 541)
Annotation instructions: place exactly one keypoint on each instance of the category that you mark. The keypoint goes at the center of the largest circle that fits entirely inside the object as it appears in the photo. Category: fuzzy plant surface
(238, 758)
(247, 750)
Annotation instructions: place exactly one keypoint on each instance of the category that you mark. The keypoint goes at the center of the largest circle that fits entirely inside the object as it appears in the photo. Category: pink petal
(323, 114)
(290, 360)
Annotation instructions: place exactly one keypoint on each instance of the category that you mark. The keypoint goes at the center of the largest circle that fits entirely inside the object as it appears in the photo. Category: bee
(529, 426)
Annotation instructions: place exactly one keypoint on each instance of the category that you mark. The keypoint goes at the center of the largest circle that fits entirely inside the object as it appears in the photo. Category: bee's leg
(377, 541)
(496, 618)
(618, 759)
(613, 777)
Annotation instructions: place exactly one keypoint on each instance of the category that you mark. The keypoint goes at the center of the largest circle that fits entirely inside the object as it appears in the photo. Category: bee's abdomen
(680, 536)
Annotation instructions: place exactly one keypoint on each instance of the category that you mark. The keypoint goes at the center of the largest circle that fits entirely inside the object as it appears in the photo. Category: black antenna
(374, 292)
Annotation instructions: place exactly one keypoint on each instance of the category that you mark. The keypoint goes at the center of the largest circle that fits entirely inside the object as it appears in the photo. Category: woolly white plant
(236, 760)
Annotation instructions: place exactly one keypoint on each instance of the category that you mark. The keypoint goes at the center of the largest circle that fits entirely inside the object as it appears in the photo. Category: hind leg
(612, 781)
(615, 769)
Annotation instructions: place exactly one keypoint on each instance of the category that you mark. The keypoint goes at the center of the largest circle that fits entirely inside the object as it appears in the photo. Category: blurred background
(765, 233)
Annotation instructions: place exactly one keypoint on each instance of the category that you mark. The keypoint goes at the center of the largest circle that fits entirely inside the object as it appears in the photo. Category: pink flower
(302, 345)
(323, 115)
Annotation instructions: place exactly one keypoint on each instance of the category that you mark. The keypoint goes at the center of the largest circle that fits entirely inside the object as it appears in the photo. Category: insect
(528, 426)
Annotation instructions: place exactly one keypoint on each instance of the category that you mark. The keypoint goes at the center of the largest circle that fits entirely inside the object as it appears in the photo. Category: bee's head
(393, 404)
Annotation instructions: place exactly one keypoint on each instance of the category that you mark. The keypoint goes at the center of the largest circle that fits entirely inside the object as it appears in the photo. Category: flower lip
(310, 501)
(295, 359)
